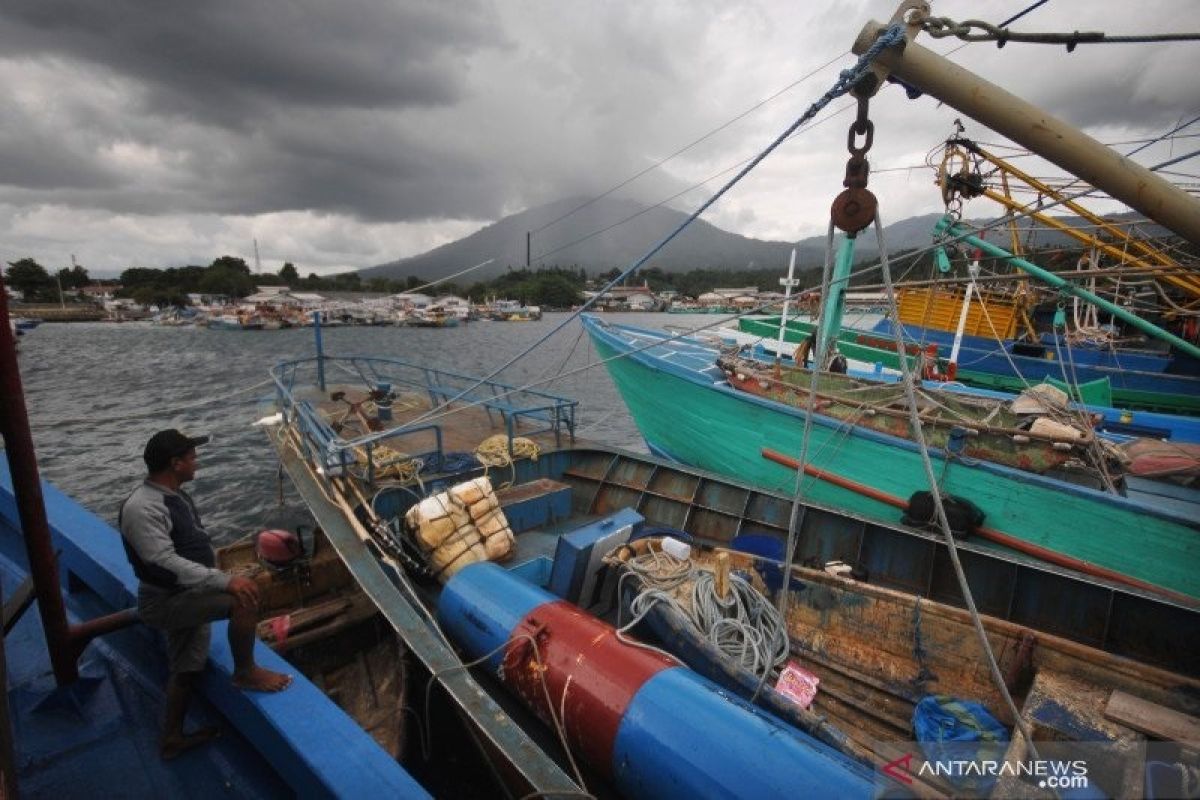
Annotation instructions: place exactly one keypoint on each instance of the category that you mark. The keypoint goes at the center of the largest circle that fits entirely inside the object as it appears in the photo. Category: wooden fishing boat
(564, 508)
(317, 617)
(877, 652)
(354, 490)
(687, 411)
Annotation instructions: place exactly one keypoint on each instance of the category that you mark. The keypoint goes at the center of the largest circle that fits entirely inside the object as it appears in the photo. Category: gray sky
(346, 134)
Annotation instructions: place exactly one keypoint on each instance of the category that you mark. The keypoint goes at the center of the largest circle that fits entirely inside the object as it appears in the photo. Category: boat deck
(100, 737)
(462, 426)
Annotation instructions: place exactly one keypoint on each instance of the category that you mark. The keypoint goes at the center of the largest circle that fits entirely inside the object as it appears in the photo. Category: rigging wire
(846, 80)
(1020, 14)
(1006, 22)
(918, 432)
(446, 410)
(943, 27)
(455, 275)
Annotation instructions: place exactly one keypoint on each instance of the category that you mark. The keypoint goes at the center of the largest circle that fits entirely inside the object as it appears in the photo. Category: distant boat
(430, 317)
(512, 311)
(991, 366)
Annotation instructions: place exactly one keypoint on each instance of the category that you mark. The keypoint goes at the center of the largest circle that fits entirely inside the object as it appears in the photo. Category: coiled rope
(494, 452)
(744, 626)
(391, 463)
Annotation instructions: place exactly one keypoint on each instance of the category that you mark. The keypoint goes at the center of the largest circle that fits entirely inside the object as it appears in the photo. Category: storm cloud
(346, 134)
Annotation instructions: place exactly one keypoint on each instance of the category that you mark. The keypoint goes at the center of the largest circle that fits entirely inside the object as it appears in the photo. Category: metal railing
(523, 411)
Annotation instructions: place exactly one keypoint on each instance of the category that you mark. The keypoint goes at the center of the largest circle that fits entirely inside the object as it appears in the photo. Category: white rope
(743, 626)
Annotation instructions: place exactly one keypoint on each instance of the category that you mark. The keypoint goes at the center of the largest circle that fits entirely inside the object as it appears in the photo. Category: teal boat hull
(690, 415)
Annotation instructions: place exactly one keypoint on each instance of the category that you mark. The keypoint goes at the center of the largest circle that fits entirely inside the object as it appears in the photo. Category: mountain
(573, 242)
(614, 232)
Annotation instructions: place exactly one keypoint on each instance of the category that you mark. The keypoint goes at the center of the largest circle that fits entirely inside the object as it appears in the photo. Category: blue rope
(846, 81)
(452, 462)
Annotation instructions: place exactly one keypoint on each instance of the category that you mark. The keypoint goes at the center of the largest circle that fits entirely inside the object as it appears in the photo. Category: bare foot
(175, 746)
(258, 679)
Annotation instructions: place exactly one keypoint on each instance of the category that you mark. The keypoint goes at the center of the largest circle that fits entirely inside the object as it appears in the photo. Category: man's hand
(245, 590)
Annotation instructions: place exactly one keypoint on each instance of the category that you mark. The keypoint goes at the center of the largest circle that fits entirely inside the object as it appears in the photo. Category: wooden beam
(22, 598)
(722, 575)
(1152, 719)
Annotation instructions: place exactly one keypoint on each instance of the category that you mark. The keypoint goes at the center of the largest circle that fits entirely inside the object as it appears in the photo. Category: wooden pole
(1035, 129)
(722, 575)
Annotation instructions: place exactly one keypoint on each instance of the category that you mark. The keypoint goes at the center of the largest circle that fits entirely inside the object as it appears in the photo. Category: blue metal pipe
(683, 736)
(673, 733)
(320, 350)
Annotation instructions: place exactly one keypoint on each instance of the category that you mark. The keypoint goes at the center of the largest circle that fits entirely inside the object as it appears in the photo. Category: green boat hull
(720, 430)
(848, 345)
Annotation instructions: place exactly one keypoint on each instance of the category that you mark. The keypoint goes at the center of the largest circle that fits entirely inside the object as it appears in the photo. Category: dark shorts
(184, 617)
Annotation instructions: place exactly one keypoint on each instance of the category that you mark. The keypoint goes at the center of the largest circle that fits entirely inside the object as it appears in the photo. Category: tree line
(230, 276)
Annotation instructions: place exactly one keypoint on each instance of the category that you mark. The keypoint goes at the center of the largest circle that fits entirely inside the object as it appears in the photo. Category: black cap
(166, 445)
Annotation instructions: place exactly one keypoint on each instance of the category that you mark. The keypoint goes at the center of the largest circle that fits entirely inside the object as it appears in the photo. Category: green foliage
(555, 291)
(159, 296)
(31, 279)
(73, 278)
(288, 274)
(231, 263)
(226, 280)
(226, 276)
(134, 277)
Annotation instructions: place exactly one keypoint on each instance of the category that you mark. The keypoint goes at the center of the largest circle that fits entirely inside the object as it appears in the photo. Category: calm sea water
(96, 392)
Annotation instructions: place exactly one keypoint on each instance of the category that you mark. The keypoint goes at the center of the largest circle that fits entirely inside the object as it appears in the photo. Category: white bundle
(455, 546)
(475, 553)
(471, 492)
(497, 535)
(460, 526)
(483, 507)
(432, 520)
(499, 546)
(1048, 427)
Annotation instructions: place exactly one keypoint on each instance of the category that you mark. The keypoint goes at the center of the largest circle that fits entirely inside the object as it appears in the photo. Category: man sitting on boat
(180, 589)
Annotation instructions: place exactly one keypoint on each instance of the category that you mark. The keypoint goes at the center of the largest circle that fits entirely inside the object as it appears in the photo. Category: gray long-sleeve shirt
(166, 542)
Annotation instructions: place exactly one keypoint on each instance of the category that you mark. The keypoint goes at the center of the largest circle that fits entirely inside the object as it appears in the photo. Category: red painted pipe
(582, 654)
(991, 534)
